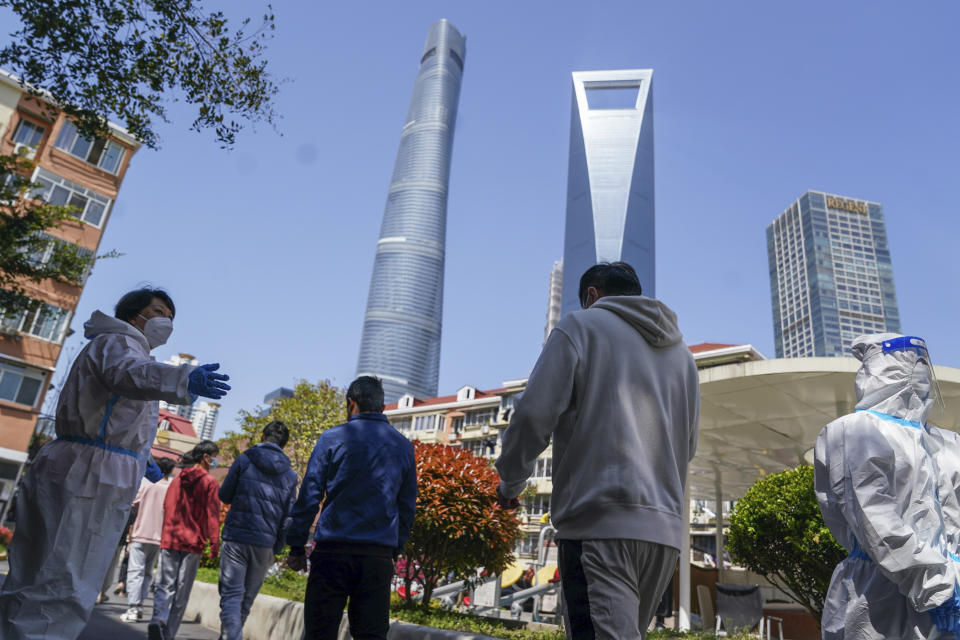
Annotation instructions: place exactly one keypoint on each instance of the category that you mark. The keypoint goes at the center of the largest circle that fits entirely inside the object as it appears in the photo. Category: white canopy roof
(762, 417)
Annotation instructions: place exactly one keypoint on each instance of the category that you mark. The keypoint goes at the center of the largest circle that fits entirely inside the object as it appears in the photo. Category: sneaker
(155, 631)
(132, 615)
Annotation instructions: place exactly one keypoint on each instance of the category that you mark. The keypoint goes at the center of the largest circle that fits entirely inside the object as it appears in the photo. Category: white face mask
(157, 330)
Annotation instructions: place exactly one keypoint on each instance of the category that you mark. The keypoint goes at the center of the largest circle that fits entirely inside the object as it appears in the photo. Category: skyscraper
(610, 195)
(831, 279)
(401, 328)
(554, 298)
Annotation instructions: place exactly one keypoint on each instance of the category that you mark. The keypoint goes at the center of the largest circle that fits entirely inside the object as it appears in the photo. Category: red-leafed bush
(459, 526)
(5, 536)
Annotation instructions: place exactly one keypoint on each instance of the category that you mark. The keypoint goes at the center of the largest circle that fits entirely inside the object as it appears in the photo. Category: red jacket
(191, 512)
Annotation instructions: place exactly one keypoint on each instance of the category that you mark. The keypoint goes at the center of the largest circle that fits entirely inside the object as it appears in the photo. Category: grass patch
(286, 584)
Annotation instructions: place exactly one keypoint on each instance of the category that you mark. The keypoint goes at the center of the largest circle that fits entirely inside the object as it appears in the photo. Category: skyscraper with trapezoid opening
(402, 325)
(610, 203)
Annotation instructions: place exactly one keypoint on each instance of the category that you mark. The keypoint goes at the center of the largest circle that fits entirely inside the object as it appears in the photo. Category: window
(46, 322)
(427, 423)
(91, 206)
(537, 505)
(105, 154)
(528, 545)
(20, 384)
(478, 418)
(43, 256)
(28, 134)
(543, 468)
(401, 424)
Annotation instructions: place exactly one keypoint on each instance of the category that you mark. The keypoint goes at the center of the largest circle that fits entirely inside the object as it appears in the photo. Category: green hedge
(291, 585)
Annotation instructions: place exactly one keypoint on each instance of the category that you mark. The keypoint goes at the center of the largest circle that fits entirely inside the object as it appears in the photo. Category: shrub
(459, 526)
(776, 530)
(5, 536)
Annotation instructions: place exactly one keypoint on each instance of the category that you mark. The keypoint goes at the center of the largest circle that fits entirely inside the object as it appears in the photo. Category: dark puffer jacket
(261, 489)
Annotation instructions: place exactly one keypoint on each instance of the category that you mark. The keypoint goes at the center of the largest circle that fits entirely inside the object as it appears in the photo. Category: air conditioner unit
(25, 151)
(485, 429)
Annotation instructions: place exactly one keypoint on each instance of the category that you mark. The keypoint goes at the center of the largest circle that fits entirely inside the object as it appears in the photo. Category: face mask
(214, 463)
(157, 330)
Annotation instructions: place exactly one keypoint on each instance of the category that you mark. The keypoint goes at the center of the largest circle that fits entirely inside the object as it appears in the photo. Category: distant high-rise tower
(202, 413)
(831, 278)
(610, 204)
(554, 299)
(401, 329)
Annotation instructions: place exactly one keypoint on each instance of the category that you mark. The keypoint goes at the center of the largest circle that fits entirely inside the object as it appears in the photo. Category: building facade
(70, 170)
(401, 329)
(202, 413)
(831, 278)
(610, 190)
(554, 298)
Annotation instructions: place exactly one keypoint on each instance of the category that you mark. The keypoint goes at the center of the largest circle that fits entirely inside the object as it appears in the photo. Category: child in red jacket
(191, 518)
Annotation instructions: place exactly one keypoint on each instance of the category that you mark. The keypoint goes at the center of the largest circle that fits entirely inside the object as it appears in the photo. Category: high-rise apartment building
(610, 191)
(71, 170)
(554, 299)
(202, 413)
(401, 329)
(831, 278)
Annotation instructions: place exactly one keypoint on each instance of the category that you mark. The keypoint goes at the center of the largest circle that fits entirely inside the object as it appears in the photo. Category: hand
(204, 382)
(297, 563)
(507, 504)
(214, 551)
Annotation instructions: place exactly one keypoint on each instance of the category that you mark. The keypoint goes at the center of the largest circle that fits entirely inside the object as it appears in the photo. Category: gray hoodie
(617, 391)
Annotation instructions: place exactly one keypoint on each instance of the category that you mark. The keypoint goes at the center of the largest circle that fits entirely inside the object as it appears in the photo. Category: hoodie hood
(191, 477)
(100, 323)
(655, 321)
(269, 458)
(897, 383)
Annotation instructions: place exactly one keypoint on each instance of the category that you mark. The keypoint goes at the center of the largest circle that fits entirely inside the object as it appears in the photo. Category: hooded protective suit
(876, 484)
(74, 500)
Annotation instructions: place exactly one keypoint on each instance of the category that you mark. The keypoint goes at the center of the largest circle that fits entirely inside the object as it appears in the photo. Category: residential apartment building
(831, 278)
(474, 419)
(202, 413)
(71, 170)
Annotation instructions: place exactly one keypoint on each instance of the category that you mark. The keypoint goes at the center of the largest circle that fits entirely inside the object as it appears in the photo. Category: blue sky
(267, 249)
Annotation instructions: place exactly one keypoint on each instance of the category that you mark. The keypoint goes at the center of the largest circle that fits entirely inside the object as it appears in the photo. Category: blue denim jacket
(365, 474)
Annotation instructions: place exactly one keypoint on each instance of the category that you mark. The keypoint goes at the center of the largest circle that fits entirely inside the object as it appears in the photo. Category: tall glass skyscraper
(401, 329)
(610, 203)
(831, 278)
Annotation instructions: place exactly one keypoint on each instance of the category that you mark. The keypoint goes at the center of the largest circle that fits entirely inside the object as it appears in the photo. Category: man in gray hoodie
(617, 392)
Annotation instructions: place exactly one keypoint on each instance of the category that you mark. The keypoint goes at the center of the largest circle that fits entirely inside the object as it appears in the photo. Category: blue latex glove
(946, 617)
(204, 382)
(153, 472)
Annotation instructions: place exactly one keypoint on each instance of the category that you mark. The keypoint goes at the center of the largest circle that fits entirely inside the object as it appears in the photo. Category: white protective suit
(945, 447)
(74, 501)
(877, 487)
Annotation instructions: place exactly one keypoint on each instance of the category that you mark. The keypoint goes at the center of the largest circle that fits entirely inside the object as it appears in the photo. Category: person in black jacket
(261, 489)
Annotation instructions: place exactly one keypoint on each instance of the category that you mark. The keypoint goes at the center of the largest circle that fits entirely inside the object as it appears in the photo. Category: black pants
(335, 578)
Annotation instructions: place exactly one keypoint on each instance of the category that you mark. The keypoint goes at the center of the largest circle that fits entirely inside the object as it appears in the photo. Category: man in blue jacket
(260, 489)
(364, 473)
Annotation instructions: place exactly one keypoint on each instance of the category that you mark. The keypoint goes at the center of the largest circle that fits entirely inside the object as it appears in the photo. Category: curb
(271, 618)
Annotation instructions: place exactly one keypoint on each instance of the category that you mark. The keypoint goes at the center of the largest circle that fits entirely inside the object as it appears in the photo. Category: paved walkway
(105, 622)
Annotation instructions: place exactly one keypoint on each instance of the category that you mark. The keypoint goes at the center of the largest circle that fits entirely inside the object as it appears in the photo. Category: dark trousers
(335, 578)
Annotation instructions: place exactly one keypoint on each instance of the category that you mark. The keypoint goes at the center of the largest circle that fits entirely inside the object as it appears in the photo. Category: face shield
(918, 346)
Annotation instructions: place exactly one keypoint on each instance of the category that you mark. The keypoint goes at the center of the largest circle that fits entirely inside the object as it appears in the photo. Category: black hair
(612, 278)
(367, 392)
(136, 301)
(166, 465)
(277, 433)
(195, 455)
